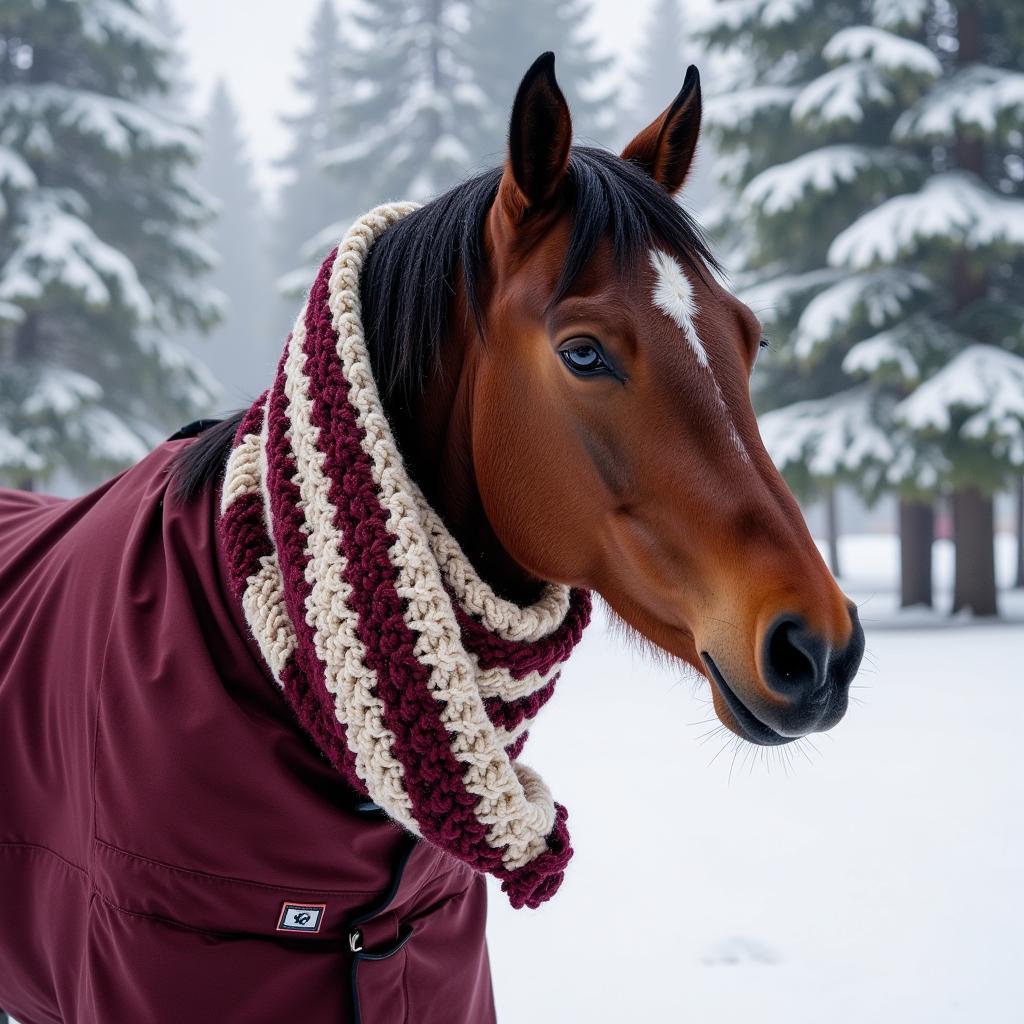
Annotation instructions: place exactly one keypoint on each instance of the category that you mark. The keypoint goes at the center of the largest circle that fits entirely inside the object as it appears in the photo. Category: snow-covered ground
(874, 875)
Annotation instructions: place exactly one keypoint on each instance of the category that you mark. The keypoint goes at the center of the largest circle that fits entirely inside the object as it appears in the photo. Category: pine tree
(847, 230)
(241, 350)
(175, 99)
(962, 229)
(406, 112)
(99, 253)
(313, 201)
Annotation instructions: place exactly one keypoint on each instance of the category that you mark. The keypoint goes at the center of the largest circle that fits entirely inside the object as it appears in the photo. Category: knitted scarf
(409, 673)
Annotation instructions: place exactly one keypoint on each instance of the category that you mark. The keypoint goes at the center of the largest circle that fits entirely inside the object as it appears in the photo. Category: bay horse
(568, 383)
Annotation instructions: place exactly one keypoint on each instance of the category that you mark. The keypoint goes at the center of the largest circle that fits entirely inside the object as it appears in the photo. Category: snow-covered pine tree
(406, 112)
(804, 129)
(176, 96)
(311, 198)
(241, 351)
(961, 228)
(504, 39)
(100, 259)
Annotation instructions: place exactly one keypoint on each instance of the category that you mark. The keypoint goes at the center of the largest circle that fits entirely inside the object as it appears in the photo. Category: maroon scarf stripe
(307, 706)
(515, 748)
(535, 883)
(441, 805)
(508, 714)
(245, 540)
(252, 421)
(244, 534)
(290, 541)
(522, 657)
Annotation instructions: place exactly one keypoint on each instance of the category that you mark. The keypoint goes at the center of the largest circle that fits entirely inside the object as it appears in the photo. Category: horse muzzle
(804, 685)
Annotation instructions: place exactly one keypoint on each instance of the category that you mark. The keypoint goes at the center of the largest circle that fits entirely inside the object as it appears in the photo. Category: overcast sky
(254, 45)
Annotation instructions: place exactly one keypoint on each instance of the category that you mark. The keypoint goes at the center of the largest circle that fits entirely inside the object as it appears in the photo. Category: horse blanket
(173, 847)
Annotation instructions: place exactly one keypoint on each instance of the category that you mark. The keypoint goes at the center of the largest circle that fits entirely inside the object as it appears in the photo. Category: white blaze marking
(673, 295)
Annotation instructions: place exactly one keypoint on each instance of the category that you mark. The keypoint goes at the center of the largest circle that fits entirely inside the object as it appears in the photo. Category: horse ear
(665, 148)
(539, 139)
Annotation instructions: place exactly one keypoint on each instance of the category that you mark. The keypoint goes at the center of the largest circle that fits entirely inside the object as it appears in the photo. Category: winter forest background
(861, 175)
(165, 193)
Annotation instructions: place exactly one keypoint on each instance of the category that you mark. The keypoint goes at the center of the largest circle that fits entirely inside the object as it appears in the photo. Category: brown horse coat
(130, 688)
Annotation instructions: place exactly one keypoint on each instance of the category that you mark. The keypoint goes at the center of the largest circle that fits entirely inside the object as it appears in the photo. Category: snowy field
(872, 875)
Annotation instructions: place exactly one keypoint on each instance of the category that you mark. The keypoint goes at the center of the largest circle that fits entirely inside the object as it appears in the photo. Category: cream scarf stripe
(516, 804)
(328, 611)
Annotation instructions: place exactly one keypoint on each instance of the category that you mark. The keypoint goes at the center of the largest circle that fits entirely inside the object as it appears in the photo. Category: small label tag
(301, 917)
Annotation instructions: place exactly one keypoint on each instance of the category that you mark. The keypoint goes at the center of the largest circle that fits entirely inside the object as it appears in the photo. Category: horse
(566, 379)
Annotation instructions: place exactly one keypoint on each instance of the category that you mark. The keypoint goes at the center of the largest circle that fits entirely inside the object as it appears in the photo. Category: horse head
(587, 418)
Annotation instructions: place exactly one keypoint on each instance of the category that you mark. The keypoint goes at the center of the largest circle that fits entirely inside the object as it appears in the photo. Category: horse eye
(584, 358)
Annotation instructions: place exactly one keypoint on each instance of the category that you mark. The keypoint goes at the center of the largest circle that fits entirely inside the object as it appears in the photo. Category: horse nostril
(795, 660)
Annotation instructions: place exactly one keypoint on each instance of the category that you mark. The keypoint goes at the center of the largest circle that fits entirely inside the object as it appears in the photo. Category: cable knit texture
(413, 677)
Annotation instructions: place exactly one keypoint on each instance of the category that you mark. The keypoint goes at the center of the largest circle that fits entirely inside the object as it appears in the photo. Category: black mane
(409, 277)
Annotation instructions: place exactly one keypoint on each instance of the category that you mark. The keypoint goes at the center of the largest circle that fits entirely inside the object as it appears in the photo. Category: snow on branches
(843, 95)
(874, 296)
(883, 49)
(823, 171)
(954, 206)
(979, 394)
(977, 98)
(55, 247)
(831, 436)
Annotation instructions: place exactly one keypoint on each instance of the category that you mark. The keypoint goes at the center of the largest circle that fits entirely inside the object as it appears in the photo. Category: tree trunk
(917, 531)
(832, 529)
(974, 535)
(1019, 576)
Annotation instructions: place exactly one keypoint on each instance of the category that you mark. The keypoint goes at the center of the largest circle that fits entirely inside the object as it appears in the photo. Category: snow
(107, 437)
(11, 313)
(16, 455)
(451, 149)
(884, 350)
(842, 94)
(14, 172)
(822, 171)
(741, 108)
(895, 14)
(772, 296)
(58, 391)
(121, 126)
(733, 15)
(877, 295)
(976, 97)
(106, 20)
(195, 385)
(885, 49)
(954, 205)
(877, 877)
(982, 379)
(56, 248)
(828, 435)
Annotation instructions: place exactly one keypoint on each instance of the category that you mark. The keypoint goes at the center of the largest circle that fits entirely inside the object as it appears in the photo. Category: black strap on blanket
(193, 429)
(355, 935)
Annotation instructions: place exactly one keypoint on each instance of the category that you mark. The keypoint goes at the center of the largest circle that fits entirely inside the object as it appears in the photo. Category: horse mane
(409, 276)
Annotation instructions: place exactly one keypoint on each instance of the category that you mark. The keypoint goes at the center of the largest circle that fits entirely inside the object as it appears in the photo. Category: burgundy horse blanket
(172, 845)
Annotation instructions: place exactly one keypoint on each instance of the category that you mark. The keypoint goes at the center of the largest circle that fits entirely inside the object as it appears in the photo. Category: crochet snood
(408, 672)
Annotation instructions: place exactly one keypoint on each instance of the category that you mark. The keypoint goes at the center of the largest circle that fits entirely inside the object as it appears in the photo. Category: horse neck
(435, 431)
